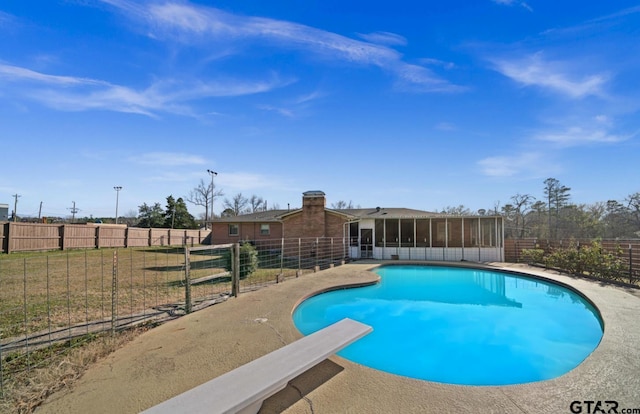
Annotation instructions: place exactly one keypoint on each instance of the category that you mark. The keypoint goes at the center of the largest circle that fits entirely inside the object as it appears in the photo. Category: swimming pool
(461, 325)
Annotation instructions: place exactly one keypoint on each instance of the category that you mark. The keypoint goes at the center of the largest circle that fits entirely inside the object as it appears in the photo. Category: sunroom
(442, 238)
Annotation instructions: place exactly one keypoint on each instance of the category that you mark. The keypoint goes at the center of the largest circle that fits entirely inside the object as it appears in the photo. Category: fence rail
(26, 237)
(630, 249)
(53, 301)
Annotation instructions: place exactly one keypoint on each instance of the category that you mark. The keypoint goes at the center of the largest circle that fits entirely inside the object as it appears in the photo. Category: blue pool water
(461, 325)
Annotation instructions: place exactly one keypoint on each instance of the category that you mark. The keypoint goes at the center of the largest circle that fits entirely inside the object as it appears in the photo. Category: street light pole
(117, 188)
(213, 174)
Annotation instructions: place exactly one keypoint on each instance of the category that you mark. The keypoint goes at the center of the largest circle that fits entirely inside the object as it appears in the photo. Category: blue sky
(417, 104)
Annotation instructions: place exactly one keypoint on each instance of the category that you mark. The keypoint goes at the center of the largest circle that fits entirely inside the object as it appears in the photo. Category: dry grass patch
(26, 389)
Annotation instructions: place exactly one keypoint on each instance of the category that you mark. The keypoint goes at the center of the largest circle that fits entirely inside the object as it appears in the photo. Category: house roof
(389, 213)
(349, 213)
(262, 216)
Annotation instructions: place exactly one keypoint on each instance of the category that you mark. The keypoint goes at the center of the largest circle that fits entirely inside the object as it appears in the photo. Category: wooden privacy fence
(24, 237)
(630, 248)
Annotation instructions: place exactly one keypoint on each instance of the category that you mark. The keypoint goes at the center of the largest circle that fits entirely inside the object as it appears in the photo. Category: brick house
(379, 233)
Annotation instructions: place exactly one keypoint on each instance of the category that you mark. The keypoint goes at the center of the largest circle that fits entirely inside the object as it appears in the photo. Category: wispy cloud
(596, 25)
(289, 113)
(79, 94)
(437, 62)
(561, 77)
(531, 163)
(292, 108)
(577, 131)
(200, 25)
(513, 3)
(6, 19)
(309, 97)
(384, 38)
(446, 126)
(167, 159)
(17, 73)
(577, 135)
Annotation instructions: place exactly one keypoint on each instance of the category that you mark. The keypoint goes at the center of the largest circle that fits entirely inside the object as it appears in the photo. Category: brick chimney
(313, 215)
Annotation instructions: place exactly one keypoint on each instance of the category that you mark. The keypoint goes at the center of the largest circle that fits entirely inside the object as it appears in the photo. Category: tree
(557, 196)
(236, 206)
(177, 216)
(509, 214)
(150, 216)
(633, 206)
(521, 203)
(579, 221)
(456, 211)
(536, 219)
(257, 204)
(204, 195)
(614, 218)
(228, 212)
(341, 205)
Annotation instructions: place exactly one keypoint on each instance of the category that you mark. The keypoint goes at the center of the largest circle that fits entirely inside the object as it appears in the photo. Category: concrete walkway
(186, 352)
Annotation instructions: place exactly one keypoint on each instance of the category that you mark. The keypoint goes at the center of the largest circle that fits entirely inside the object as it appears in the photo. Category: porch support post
(462, 237)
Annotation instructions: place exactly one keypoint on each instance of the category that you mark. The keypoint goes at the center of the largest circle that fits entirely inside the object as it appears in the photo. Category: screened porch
(440, 239)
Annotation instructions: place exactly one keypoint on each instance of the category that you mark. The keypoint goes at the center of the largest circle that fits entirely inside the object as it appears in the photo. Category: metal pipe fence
(52, 302)
(627, 250)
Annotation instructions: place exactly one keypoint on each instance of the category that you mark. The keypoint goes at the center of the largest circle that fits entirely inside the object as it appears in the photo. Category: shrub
(248, 260)
(578, 259)
(600, 263)
(533, 256)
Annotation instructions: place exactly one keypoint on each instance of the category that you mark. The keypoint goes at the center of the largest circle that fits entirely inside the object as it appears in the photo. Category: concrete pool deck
(191, 350)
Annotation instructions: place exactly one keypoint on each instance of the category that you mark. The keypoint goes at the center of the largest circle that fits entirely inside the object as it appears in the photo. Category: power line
(73, 210)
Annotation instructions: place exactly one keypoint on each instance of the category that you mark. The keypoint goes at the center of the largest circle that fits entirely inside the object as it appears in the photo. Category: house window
(233, 230)
(264, 230)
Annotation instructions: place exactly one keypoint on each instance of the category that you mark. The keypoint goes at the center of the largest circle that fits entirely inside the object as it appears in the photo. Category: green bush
(533, 256)
(591, 260)
(248, 260)
(600, 263)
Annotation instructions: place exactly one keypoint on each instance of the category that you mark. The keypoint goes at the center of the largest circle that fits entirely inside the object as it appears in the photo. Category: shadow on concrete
(299, 387)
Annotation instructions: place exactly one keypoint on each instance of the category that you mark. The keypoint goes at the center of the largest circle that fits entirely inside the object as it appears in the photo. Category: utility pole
(213, 174)
(15, 207)
(40, 212)
(117, 188)
(73, 210)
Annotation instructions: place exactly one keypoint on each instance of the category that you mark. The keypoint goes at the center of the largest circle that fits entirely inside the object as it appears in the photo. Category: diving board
(245, 388)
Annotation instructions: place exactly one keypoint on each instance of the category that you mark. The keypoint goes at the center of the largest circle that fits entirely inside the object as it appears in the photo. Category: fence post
(187, 280)
(316, 267)
(114, 293)
(630, 264)
(282, 257)
(299, 256)
(331, 254)
(26, 312)
(61, 235)
(1, 376)
(8, 238)
(235, 270)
